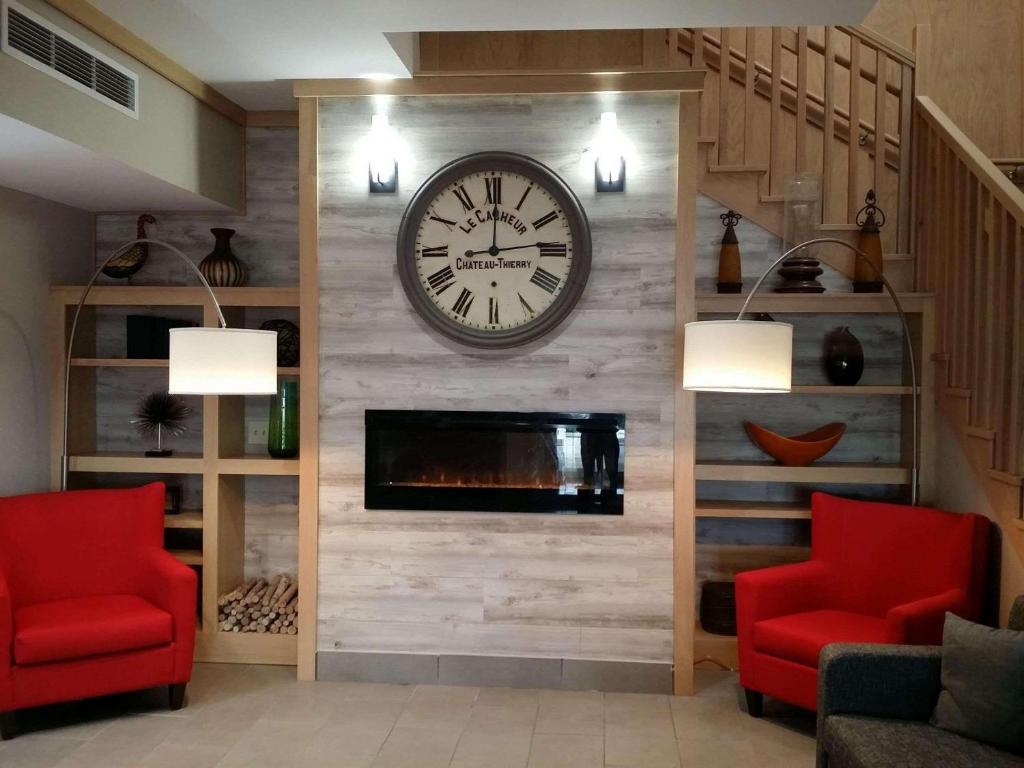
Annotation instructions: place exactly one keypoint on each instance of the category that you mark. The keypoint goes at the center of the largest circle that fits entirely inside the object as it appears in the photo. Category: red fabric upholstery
(800, 637)
(883, 573)
(61, 630)
(84, 581)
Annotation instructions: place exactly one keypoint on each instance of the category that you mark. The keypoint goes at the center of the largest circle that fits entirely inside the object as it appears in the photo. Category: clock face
(494, 250)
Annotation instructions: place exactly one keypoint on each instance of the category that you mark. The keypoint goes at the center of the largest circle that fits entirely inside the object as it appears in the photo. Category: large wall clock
(494, 250)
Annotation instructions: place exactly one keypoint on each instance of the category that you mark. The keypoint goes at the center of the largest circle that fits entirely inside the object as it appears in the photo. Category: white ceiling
(251, 49)
(44, 165)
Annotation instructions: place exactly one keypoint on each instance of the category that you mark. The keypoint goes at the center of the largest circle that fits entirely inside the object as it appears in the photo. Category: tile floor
(260, 716)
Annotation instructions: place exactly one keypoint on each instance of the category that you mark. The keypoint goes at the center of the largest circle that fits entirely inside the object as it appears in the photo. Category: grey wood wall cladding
(267, 240)
(525, 585)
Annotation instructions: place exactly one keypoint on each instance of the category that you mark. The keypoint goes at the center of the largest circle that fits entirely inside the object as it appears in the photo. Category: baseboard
(503, 671)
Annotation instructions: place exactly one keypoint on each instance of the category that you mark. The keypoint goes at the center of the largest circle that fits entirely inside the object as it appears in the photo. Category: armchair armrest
(169, 584)
(890, 681)
(781, 590)
(920, 622)
(6, 646)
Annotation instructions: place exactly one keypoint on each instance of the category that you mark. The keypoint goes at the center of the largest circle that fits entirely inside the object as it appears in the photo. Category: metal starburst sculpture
(161, 412)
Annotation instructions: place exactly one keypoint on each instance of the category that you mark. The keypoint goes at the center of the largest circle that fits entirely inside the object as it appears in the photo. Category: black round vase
(844, 357)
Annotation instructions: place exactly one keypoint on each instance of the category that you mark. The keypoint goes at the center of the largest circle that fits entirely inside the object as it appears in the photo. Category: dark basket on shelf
(718, 607)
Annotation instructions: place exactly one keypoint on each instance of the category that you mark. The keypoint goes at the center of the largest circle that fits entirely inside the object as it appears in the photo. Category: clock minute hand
(502, 250)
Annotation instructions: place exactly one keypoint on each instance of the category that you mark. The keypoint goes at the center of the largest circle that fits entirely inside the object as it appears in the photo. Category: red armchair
(878, 573)
(90, 602)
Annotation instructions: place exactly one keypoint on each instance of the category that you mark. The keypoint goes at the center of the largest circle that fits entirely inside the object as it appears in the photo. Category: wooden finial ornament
(870, 219)
(730, 273)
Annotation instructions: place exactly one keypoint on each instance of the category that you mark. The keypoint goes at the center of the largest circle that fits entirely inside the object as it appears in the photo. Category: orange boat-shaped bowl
(799, 450)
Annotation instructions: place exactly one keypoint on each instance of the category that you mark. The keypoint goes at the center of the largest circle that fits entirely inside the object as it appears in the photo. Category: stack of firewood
(261, 606)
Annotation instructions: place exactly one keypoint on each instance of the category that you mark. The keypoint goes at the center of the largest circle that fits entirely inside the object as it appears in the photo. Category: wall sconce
(610, 166)
(383, 164)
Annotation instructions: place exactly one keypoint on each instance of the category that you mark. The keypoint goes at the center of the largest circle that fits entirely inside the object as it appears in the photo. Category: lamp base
(867, 286)
(730, 287)
(163, 454)
(800, 275)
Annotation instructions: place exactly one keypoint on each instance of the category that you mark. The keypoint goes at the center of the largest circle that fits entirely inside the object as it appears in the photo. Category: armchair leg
(177, 695)
(8, 726)
(755, 702)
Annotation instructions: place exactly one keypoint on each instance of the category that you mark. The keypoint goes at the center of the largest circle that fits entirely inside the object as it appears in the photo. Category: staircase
(773, 96)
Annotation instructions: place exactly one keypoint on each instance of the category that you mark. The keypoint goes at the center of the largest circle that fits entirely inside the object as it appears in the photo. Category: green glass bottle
(283, 434)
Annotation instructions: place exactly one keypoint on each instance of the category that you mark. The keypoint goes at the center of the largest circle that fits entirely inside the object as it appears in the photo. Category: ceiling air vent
(41, 44)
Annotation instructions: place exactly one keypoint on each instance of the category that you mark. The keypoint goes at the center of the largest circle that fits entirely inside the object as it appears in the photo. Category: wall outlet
(256, 432)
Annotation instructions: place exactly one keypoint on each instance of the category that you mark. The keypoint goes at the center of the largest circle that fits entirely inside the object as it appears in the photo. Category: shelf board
(174, 295)
(124, 362)
(188, 556)
(853, 474)
(246, 648)
(257, 465)
(864, 390)
(752, 509)
(813, 303)
(178, 464)
(723, 649)
(187, 519)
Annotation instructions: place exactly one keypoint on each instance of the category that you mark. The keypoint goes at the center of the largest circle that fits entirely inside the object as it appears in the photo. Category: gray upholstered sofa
(874, 704)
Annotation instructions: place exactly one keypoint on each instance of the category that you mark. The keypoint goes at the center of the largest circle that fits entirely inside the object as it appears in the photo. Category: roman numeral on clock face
(446, 222)
(464, 198)
(545, 219)
(492, 311)
(550, 249)
(527, 309)
(463, 303)
(544, 279)
(523, 198)
(493, 190)
(441, 250)
(441, 280)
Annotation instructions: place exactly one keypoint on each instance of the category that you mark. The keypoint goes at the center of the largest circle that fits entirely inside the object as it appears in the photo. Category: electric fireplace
(484, 461)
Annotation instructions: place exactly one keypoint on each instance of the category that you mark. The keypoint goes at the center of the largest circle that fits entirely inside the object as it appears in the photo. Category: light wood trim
(281, 118)
(187, 520)
(684, 419)
(894, 50)
(906, 169)
(822, 303)
(1015, 427)
(752, 510)
(881, 67)
(178, 464)
(749, 123)
(257, 465)
(116, 362)
(801, 100)
(187, 556)
(724, 70)
(654, 48)
(853, 195)
(168, 296)
(854, 474)
(828, 144)
(476, 84)
(697, 59)
(775, 172)
(309, 387)
(861, 390)
(102, 25)
(245, 648)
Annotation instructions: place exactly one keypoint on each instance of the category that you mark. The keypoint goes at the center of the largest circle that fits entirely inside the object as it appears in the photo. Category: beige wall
(977, 64)
(41, 244)
(176, 138)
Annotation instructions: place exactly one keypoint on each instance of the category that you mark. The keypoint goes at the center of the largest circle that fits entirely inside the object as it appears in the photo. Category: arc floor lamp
(756, 356)
(201, 361)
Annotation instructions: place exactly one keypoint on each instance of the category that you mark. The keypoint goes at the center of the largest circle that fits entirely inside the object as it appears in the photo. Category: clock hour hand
(501, 250)
(494, 230)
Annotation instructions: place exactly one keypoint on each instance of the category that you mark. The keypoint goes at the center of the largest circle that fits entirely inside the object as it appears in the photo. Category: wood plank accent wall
(524, 585)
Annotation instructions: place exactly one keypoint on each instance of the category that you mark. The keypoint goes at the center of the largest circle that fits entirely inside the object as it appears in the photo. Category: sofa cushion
(87, 626)
(852, 741)
(982, 693)
(799, 637)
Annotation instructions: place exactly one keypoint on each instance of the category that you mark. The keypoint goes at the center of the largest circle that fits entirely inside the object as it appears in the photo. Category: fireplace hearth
(503, 461)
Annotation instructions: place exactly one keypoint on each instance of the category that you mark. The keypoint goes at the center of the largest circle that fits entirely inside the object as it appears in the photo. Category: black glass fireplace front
(482, 461)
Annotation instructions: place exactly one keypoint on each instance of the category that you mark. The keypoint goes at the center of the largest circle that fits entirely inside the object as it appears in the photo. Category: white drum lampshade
(738, 356)
(222, 361)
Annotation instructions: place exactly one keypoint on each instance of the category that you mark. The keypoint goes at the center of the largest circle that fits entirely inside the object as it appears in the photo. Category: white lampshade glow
(738, 356)
(382, 150)
(222, 361)
(609, 149)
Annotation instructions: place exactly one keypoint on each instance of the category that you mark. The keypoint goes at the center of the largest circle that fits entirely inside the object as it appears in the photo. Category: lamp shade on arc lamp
(222, 361)
(738, 356)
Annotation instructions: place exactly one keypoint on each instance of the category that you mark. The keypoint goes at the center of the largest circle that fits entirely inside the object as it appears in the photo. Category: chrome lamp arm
(916, 451)
(74, 327)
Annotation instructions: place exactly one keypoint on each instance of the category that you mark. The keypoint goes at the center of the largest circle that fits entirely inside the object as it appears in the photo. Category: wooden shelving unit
(814, 303)
(762, 510)
(223, 463)
(764, 472)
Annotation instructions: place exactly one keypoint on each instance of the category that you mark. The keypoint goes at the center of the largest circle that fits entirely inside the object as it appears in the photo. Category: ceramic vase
(844, 358)
(221, 267)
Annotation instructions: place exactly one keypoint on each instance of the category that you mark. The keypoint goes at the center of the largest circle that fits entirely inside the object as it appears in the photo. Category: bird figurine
(131, 261)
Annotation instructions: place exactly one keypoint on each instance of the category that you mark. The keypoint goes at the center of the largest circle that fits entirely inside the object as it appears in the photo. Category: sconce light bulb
(382, 153)
(609, 149)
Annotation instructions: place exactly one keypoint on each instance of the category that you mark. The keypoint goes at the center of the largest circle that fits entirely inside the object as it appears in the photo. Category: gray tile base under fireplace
(503, 671)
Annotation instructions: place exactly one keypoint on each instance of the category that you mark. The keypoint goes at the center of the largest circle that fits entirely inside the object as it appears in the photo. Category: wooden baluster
(990, 311)
(1000, 334)
(697, 58)
(775, 127)
(975, 334)
(748, 97)
(853, 195)
(906, 133)
(1015, 427)
(724, 65)
(952, 200)
(829, 133)
(881, 78)
(801, 99)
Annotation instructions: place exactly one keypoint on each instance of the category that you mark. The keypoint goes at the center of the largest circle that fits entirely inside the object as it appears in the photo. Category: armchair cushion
(854, 741)
(76, 627)
(800, 637)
